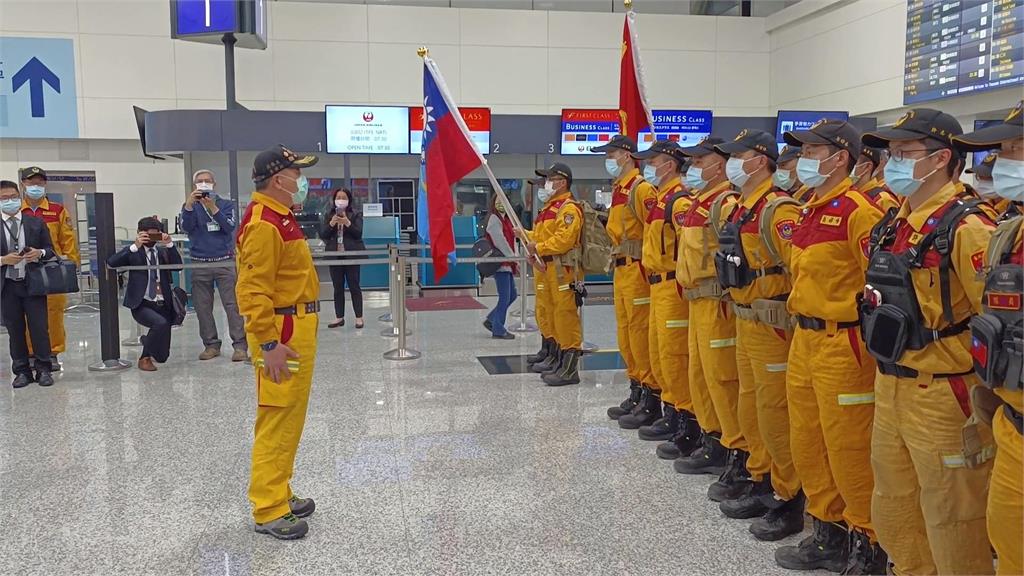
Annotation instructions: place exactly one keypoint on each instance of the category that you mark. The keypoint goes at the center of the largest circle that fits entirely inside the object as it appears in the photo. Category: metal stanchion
(523, 325)
(135, 339)
(396, 287)
(110, 351)
(585, 347)
(402, 352)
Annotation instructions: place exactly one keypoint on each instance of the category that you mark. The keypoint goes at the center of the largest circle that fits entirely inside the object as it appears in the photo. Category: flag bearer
(548, 347)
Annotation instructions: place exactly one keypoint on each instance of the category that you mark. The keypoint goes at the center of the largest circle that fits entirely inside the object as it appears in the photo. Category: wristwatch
(268, 346)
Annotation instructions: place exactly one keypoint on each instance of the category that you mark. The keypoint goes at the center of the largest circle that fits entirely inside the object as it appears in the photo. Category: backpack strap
(943, 238)
(1000, 246)
(715, 215)
(883, 233)
(764, 227)
(632, 198)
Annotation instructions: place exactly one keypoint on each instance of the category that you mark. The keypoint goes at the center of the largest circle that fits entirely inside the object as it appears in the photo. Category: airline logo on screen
(583, 129)
(367, 116)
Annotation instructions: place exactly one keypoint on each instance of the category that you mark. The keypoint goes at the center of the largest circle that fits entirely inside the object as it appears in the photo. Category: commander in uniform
(278, 292)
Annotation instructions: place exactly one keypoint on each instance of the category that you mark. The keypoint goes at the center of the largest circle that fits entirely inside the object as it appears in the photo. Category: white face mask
(341, 204)
(986, 189)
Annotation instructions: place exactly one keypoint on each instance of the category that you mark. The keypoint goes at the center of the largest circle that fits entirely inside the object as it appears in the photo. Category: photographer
(342, 231)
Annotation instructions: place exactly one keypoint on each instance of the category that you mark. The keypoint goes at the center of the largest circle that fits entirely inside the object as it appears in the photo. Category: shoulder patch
(865, 246)
(978, 260)
(649, 203)
(679, 217)
(785, 229)
(569, 218)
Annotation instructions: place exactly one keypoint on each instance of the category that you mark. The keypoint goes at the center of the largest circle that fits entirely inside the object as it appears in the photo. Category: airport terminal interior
(169, 157)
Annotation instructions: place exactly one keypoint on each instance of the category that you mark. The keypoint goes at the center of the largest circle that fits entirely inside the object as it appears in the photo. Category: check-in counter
(459, 275)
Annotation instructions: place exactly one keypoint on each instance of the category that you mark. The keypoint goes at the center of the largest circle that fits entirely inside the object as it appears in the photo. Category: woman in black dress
(343, 222)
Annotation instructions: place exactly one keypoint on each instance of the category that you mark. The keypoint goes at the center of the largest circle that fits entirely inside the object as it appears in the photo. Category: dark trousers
(340, 275)
(156, 344)
(506, 284)
(17, 307)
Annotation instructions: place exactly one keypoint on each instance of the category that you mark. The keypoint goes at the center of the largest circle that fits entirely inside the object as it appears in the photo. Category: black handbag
(57, 276)
(179, 298)
(483, 248)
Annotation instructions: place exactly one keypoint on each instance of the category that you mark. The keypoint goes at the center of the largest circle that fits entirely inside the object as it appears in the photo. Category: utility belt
(630, 247)
(624, 261)
(658, 278)
(568, 260)
(813, 323)
(706, 288)
(770, 312)
(901, 371)
(307, 308)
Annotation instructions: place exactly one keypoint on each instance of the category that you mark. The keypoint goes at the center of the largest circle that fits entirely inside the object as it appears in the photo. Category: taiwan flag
(634, 114)
(448, 156)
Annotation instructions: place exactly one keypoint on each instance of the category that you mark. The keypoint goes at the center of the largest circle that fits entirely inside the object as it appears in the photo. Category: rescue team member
(714, 384)
(984, 186)
(921, 290)
(785, 177)
(278, 292)
(830, 376)
(65, 242)
(632, 199)
(556, 239)
(754, 246)
(868, 183)
(668, 312)
(548, 347)
(1000, 400)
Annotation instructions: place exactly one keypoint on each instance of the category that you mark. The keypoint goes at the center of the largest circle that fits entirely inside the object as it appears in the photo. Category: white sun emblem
(428, 120)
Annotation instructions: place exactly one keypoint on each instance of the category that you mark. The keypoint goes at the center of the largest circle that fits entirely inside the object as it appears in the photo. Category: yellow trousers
(830, 385)
(761, 355)
(1006, 496)
(714, 384)
(55, 305)
(632, 295)
(541, 305)
(563, 315)
(928, 508)
(280, 417)
(669, 323)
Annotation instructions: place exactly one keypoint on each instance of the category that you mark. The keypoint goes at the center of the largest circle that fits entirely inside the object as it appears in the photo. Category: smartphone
(24, 251)
(156, 237)
(204, 194)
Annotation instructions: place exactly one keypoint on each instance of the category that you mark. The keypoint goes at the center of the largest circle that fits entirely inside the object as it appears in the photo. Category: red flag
(634, 113)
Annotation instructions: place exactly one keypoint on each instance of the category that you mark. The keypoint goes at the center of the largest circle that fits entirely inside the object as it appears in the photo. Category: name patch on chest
(1003, 301)
(829, 220)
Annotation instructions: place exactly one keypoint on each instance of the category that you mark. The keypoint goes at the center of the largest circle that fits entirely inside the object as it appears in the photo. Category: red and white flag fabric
(634, 113)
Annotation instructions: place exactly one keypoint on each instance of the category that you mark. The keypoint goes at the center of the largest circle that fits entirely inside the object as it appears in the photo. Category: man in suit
(24, 239)
(148, 293)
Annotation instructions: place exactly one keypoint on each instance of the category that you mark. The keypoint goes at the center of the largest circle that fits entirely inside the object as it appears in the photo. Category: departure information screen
(583, 129)
(367, 129)
(962, 46)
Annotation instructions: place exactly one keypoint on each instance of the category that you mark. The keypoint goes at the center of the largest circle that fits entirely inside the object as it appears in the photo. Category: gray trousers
(203, 280)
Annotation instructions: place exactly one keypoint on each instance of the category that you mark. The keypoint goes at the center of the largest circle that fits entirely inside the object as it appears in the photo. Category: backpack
(764, 227)
(595, 248)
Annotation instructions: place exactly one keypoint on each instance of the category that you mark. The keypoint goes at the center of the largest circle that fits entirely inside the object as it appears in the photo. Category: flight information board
(962, 46)
(685, 127)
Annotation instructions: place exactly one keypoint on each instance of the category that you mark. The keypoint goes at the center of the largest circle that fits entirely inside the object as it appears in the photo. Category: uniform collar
(44, 204)
(840, 189)
(870, 185)
(627, 176)
(761, 191)
(666, 186)
(711, 191)
(917, 218)
(561, 196)
(271, 203)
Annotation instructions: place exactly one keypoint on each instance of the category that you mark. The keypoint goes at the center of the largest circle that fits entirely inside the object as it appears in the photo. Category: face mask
(1008, 178)
(695, 178)
(545, 193)
(986, 189)
(809, 171)
(10, 206)
(783, 179)
(204, 186)
(301, 190)
(859, 171)
(651, 175)
(35, 192)
(735, 173)
(899, 175)
(611, 165)
(499, 208)
(341, 204)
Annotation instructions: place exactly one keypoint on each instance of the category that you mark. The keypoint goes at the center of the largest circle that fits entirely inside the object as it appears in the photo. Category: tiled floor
(423, 467)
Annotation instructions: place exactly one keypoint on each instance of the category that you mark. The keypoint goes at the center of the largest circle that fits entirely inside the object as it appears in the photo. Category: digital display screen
(791, 120)
(206, 16)
(367, 129)
(478, 120)
(583, 129)
(962, 46)
(685, 127)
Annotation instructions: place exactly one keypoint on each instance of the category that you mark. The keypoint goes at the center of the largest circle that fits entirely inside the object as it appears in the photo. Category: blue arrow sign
(35, 73)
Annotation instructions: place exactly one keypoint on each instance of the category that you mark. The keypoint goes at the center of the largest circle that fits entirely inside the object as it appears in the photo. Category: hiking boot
(287, 527)
(210, 353)
(865, 557)
(301, 507)
(22, 380)
(735, 481)
(785, 519)
(568, 372)
(685, 441)
(663, 428)
(239, 355)
(542, 354)
(616, 412)
(549, 363)
(556, 366)
(646, 412)
(709, 458)
(44, 378)
(751, 504)
(826, 549)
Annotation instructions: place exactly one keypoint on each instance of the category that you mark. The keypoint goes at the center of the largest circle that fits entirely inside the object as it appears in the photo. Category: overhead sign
(791, 120)
(37, 88)
(583, 129)
(367, 129)
(686, 127)
(208, 20)
(478, 120)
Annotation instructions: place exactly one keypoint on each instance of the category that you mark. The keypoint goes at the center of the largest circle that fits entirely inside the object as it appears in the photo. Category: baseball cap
(276, 159)
(988, 138)
(26, 173)
(556, 169)
(703, 148)
(757, 140)
(917, 124)
(788, 153)
(984, 168)
(827, 131)
(618, 141)
(874, 154)
(662, 147)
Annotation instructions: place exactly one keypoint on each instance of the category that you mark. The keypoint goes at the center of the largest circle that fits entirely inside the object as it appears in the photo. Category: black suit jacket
(138, 280)
(36, 236)
(351, 239)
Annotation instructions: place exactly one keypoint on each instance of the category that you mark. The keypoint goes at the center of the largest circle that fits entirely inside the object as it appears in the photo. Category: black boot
(545, 349)
(827, 548)
(568, 371)
(749, 505)
(646, 412)
(709, 458)
(735, 481)
(865, 557)
(557, 364)
(685, 441)
(663, 428)
(780, 521)
(627, 405)
(550, 362)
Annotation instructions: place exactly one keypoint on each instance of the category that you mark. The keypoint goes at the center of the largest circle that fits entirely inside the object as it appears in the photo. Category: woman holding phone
(342, 231)
(502, 237)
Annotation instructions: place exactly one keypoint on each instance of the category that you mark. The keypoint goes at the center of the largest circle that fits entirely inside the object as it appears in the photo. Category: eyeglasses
(900, 155)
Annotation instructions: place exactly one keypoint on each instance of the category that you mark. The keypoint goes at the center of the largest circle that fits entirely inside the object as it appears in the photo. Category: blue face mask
(695, 178)
(809, 171)
(301, 190)
(899, 176)
(10, 206)
(735, 173)
(611, 165)
(1008, 176)
(35, 192)
(651, 175)
(783, 179)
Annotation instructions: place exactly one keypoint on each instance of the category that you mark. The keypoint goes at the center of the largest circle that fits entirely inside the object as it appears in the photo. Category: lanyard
(14, 233)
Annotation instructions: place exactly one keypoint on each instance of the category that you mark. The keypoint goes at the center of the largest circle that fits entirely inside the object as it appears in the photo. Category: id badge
(212, 227)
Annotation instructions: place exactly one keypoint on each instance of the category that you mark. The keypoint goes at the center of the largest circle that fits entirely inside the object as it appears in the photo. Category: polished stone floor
(425, 467)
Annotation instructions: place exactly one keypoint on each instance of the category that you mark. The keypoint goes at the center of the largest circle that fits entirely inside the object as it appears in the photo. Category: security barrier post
(402, 352)
(523, 325)
(396, 287)
(110, 351)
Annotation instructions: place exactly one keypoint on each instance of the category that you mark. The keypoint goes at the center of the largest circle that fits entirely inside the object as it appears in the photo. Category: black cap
(826, 131)
(917, 124)
(662, 147)
(984, 168)
(26, 173)
(535, 181)
(757, 140)
(872, 153)
(703, 148)
(988, 138)
(556, 169)
(274, 160)
(788, 153)
(618, 141)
